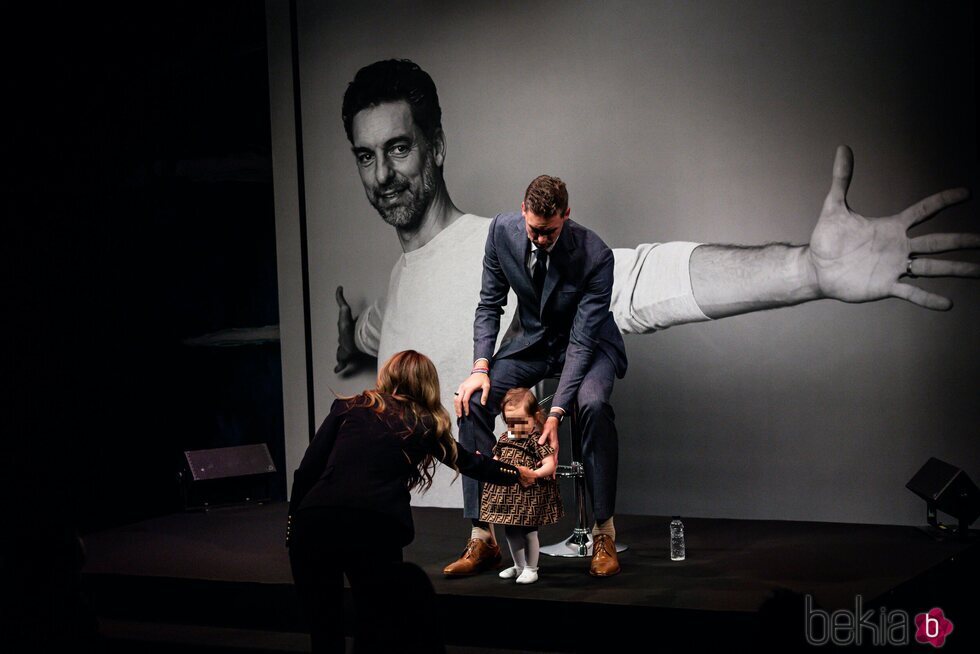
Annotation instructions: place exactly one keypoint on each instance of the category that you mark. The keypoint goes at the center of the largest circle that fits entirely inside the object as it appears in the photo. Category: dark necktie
(540, 269)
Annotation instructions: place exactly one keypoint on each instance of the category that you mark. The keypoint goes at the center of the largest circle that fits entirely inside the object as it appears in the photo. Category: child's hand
(548, 467)
(528, 476)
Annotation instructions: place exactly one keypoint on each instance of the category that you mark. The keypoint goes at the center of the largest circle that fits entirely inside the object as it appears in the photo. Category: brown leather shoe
(605, 563)
(478, 556)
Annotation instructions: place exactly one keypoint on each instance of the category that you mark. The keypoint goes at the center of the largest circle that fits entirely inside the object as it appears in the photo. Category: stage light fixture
(947, 488)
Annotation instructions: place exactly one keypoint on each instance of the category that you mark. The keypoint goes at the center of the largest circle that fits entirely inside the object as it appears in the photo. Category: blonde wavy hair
(412, 379)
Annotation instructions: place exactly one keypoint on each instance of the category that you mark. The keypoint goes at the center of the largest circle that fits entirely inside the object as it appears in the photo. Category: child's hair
(525, 399)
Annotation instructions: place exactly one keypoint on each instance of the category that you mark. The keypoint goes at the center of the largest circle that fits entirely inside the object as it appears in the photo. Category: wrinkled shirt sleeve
(652, 287)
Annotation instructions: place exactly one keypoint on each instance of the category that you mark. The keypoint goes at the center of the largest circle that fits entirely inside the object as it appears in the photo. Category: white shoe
(509, 573)
(529, 576)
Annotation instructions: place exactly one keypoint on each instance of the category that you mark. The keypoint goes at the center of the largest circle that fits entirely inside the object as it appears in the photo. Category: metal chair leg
(579, 544)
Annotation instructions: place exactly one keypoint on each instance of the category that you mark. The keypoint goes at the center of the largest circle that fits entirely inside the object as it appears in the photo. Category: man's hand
(475, 382)
(857, 259)
(346, 348)
(550, 435)
(349, 358)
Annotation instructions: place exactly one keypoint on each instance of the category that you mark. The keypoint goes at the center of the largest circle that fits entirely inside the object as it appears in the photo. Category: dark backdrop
(138, 207)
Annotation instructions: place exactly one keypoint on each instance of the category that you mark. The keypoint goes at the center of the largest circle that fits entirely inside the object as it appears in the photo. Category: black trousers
(394, 602)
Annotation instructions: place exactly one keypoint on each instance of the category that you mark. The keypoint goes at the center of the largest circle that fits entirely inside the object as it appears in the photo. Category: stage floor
(732, 568)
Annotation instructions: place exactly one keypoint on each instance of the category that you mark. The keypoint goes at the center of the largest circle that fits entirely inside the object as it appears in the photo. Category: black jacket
(363, 460)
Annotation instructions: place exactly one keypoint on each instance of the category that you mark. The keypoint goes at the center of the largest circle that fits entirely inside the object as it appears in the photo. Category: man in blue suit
(562, 274)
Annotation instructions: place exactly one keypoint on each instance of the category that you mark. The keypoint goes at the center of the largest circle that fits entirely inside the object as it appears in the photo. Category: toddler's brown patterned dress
(539, 504)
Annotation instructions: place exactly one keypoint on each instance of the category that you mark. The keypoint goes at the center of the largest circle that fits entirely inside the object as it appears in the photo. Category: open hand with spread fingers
(858, 259)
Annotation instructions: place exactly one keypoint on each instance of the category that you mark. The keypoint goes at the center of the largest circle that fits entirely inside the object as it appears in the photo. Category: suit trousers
(600, 447)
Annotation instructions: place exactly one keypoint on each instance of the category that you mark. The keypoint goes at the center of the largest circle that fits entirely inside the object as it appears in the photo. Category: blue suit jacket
(572, 316)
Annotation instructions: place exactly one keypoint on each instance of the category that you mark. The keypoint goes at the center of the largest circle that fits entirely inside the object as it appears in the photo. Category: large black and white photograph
(510, 327)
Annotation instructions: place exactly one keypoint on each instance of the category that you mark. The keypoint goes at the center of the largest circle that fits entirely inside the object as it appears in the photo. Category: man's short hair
(546, 196)
(392, 80)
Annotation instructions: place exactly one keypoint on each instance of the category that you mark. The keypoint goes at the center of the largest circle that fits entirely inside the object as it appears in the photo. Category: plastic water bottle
(677, 552)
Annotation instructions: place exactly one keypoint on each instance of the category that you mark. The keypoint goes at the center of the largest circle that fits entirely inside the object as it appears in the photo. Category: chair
(579, 544)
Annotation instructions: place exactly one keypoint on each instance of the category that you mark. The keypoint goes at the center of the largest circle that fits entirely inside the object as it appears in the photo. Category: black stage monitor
(947, 488)
(226, 476)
